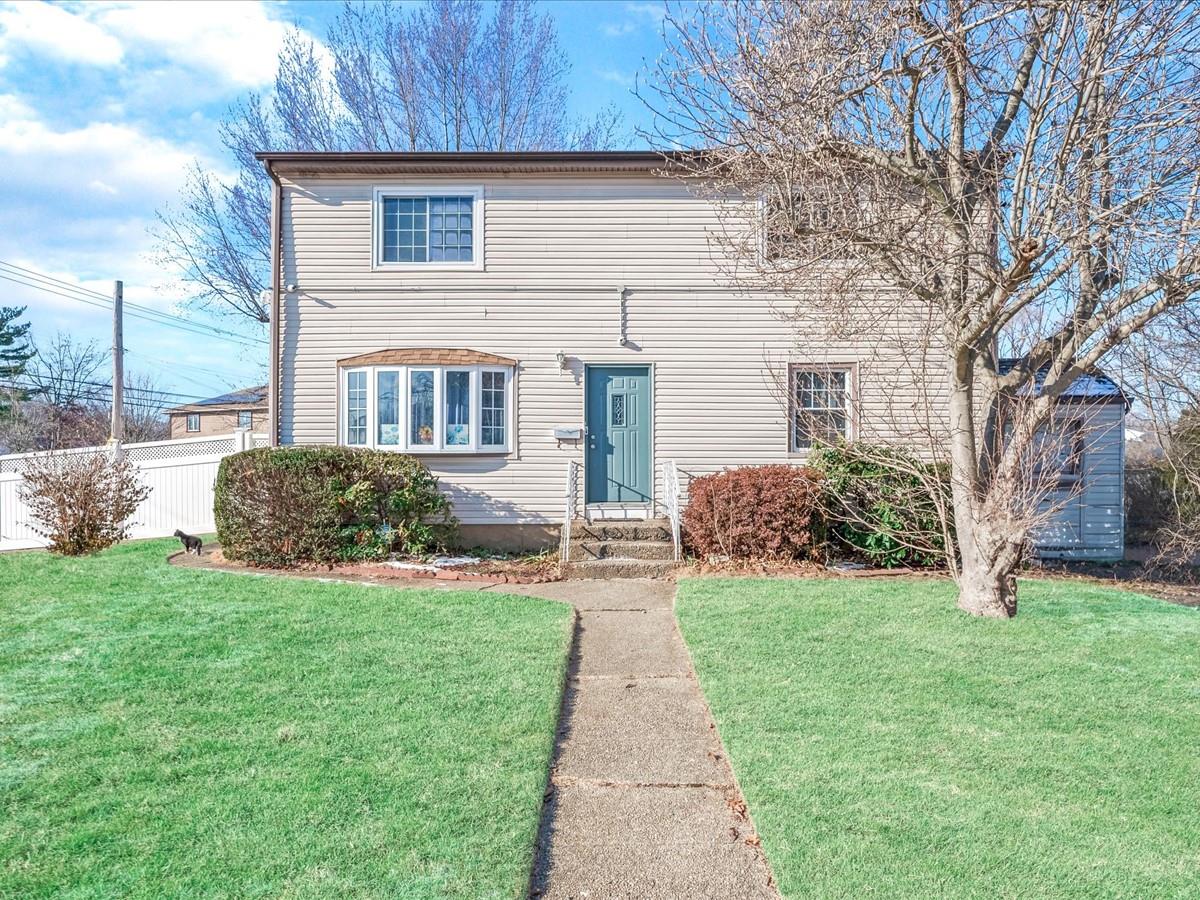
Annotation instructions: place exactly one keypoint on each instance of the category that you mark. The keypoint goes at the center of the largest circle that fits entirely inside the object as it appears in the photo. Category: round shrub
(280, 506)
(880, 505)
(757, 512)
(81, 502)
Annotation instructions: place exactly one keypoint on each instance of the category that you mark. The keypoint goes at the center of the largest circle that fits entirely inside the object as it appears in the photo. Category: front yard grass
(173, 732)
(890, 746)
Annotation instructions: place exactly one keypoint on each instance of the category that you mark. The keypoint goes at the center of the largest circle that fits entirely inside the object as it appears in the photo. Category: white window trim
(439, 447)
(851, 370)
(187, 425)
(474, 191)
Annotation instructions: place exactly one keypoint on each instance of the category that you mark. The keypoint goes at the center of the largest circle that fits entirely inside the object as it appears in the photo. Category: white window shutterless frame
(454, 427)
(383, 192)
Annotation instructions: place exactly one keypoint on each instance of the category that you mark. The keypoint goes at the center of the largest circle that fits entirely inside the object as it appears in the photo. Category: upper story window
(820, 406)
(193, 422)
(439, 228)
(245, 419)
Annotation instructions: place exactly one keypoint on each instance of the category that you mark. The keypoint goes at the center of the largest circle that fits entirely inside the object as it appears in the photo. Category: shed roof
(1095, 386)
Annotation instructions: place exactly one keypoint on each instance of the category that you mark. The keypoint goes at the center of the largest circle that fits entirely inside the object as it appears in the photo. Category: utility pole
(118, 355)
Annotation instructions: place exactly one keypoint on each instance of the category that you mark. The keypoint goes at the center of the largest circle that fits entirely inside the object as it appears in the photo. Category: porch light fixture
(562, 361)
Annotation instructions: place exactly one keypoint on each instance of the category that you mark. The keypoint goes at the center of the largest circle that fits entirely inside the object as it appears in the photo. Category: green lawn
(169, 732)
(891, 746)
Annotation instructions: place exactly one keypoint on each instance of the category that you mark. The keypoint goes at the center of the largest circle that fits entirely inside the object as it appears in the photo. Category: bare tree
(1022, 176)
(444, 75)
(65, 372)
(66, 400)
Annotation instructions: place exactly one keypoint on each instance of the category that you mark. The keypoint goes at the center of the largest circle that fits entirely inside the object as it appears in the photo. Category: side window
(492, 409)
(356, 408)
(820, 400)
(193, 422)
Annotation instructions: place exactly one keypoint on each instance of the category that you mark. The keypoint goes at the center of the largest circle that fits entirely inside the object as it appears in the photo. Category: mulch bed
(485, 572)
(760, 568)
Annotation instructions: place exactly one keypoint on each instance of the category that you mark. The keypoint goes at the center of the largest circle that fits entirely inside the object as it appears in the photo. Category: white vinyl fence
(180, 475)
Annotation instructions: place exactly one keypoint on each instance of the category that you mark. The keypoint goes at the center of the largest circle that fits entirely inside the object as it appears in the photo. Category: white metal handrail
(671, 502)
(571, 498)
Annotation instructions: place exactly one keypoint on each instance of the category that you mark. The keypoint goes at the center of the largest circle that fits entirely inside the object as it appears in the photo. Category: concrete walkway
(642, 802)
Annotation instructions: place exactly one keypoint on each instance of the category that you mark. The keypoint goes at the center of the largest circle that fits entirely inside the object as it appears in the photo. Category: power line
(59, 282)
(170, 396)
(30, 278)
(199, 330)
(180, 365)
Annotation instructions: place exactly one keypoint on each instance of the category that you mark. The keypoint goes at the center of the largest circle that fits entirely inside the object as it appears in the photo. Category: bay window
(428, 409)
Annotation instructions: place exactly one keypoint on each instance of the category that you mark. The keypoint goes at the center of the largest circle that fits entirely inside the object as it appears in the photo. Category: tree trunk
(987, 583)
(987, 564)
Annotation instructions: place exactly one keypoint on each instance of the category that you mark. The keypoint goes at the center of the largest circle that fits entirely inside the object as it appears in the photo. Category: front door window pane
(387, 403)
(356, 408)
(421, 408)
(458, 409)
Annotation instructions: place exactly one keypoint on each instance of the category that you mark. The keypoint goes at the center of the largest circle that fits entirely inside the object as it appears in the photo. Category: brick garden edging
(445, 575)
(365, 573)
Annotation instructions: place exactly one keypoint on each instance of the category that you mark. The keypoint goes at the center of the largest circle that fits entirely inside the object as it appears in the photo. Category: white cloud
(616, 77)
(655, 11)
(636, 14)
(57, 32)
(619, 30)
(80, 199)
(117, 158)
(235, 43)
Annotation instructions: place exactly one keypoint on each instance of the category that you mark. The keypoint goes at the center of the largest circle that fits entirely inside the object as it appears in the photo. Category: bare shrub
(756, 512)
(81, 502)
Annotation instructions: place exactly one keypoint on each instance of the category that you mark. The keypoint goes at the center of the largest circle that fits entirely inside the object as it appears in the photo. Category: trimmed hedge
(282, 506)
(756, 512)
(879, 512)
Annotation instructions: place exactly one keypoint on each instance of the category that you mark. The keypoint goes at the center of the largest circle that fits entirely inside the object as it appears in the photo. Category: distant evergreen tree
(15, 352)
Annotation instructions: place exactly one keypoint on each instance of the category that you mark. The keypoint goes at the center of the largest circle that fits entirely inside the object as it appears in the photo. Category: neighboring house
(504, 314)
(243, 409)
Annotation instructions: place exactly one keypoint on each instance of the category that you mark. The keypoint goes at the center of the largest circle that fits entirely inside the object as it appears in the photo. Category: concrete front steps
(620, 549)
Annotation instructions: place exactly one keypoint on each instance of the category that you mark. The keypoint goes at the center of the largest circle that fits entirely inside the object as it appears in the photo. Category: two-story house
(504, 314)
(245, 409)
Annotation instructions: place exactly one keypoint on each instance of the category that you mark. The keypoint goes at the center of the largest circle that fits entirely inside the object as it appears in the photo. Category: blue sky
(104, 105)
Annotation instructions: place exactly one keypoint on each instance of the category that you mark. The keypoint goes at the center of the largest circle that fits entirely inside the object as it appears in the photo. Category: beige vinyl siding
(213, 422)
(558, 251)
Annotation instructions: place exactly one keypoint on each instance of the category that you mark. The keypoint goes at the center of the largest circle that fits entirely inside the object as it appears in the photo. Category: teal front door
(618, 434)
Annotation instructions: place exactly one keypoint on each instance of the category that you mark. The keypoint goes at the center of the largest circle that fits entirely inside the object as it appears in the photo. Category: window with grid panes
(820, 406)
(427, 229)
